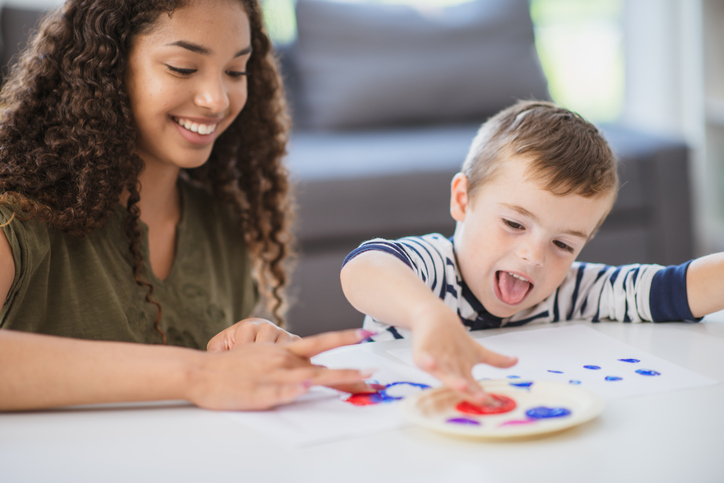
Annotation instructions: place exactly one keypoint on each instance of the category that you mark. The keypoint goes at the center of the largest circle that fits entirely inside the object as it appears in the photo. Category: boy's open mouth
(512, 289)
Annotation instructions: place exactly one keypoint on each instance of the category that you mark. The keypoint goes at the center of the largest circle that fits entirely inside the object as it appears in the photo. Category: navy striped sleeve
(381, 248)
(668, 298)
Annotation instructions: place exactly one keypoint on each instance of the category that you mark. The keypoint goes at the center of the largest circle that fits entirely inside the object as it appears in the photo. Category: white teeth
(202, 129)
(517, 276)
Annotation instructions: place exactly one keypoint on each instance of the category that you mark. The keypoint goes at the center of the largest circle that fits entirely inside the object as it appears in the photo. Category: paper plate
(435, 409)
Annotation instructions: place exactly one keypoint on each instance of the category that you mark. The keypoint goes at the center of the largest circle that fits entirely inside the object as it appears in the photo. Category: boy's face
(516, 241)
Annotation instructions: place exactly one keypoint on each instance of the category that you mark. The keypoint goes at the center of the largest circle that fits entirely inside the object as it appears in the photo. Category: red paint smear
(364, 398)
(505, 405)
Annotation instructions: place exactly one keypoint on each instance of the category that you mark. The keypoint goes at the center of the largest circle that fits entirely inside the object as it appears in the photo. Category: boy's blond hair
(567, 154)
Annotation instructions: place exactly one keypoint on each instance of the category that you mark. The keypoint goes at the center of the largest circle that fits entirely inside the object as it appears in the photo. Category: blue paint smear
(543, 412)
(593, 368)
(613, 378)
(465, 421)
(555, 372)
(513, 377)
(648, 372)
(521, 384)
(387, 397)
(632, 361)
(573, 381)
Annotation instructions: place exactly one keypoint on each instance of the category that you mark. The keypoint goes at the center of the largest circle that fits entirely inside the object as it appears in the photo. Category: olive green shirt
(84, 288)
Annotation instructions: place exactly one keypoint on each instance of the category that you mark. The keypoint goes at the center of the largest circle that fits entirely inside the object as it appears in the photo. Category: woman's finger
(311, 346)
(266, 332)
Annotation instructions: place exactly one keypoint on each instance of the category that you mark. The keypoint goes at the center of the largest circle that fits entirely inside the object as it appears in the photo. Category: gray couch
(386, 100)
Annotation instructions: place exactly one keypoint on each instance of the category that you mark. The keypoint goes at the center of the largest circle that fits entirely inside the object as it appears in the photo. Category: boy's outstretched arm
(380, 285)
(705, 285)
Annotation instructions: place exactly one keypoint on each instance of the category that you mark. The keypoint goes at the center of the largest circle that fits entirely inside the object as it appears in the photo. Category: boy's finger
(494, 359)
(311, 346)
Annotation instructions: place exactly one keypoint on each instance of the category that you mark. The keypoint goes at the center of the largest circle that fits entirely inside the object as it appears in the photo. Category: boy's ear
(459, 197)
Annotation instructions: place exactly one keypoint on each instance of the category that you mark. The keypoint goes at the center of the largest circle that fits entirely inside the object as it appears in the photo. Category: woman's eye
(513, 225)
(180, 71)
(236, 73)
(563, 246)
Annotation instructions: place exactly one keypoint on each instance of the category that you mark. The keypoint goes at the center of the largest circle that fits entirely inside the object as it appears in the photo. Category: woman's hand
(249, 330)
(442, 347)
(261, 376)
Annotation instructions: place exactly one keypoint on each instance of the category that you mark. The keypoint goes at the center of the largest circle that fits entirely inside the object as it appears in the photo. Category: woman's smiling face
(186, 79)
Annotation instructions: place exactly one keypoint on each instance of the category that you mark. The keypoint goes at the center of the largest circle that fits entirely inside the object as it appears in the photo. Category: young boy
(537, 183)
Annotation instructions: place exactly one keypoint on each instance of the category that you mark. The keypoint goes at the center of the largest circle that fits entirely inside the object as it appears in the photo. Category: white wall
(665, 93)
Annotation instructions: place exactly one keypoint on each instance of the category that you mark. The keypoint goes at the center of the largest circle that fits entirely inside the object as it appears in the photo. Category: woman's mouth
(511, 288)
(195, 127)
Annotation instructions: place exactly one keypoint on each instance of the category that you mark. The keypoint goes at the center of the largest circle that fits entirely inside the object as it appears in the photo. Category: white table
(673, 437)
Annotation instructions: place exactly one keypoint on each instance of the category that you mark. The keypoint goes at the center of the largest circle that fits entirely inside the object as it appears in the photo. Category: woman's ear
(459, 197)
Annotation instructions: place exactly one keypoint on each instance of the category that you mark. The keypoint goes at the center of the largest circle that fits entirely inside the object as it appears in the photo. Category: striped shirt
(590, 291)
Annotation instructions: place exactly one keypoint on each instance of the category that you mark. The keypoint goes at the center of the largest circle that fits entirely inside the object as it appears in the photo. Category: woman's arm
(40, 371)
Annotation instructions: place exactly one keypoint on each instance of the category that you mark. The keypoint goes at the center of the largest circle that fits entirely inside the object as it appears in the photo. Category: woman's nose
(212, 95)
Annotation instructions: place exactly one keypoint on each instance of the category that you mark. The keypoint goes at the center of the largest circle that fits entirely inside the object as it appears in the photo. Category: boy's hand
(442, 347)
(249, 330)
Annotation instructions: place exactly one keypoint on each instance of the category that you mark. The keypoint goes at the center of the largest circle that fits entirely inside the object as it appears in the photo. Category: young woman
(143, 199)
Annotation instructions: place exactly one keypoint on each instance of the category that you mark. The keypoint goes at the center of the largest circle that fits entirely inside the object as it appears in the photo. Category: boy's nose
(212, 95)
(532, 252)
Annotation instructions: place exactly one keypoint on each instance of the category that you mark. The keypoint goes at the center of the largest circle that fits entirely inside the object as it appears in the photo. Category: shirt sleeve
(426, 256)
(628, 293)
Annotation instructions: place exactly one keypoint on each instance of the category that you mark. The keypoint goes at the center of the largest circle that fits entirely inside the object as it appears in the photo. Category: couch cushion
(363, 64)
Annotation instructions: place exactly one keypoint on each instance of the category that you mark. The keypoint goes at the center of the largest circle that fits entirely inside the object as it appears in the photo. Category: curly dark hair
(67, 136)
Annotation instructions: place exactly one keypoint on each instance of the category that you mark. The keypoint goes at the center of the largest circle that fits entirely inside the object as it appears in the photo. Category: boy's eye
(180, 71)
(513, 225)
(563, 246)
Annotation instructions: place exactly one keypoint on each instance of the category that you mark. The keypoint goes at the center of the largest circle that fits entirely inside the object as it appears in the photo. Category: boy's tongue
(512, 290)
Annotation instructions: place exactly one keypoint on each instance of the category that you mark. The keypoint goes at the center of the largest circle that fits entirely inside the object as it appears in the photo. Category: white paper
(322, 415)
(568, 349)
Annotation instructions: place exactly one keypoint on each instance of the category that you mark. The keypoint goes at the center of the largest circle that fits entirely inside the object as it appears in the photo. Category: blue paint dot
(555, 372)
(593, 368)
(522, 384)
(465, 421)
(573, 381)
(632, 361)
(543, 412)
(613, 378)
(648, 372)
(513, 377)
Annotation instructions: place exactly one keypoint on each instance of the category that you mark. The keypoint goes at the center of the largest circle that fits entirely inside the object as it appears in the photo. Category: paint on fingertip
(364, 335)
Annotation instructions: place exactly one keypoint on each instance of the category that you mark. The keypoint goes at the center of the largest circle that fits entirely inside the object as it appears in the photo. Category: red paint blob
(364, 398)
(505, 405)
